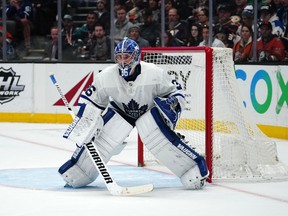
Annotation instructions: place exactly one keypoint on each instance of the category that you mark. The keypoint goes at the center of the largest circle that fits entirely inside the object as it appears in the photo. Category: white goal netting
(215, 121)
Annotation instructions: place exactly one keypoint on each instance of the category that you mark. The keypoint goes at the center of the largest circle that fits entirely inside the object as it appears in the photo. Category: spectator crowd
(186, 24)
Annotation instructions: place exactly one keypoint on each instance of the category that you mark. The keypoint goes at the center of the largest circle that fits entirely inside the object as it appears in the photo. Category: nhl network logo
(9, 87)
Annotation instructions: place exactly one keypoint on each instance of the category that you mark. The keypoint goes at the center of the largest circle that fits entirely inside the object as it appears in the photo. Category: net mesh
(240, 150)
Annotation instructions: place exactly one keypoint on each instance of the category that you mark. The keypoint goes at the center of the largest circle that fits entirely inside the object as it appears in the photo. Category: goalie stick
(99, 163)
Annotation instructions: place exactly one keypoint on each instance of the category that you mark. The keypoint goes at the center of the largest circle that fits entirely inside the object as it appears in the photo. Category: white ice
(31, 153)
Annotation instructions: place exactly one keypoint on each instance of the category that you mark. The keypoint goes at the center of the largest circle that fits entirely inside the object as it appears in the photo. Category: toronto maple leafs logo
(133, 109)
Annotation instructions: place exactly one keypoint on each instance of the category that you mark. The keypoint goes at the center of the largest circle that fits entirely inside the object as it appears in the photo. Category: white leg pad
(80, 171)
(169, 148)
(193, 179)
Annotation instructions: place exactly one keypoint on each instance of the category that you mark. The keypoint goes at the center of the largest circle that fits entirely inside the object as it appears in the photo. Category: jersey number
(178, 86)
(89, 91)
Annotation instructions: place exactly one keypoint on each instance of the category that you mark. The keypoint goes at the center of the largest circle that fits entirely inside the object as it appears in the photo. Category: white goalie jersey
(131, 98)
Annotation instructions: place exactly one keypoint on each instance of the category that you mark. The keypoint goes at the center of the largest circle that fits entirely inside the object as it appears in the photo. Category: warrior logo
(9, 87)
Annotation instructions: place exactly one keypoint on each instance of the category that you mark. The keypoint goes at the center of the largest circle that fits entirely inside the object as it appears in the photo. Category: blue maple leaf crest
(133, 109)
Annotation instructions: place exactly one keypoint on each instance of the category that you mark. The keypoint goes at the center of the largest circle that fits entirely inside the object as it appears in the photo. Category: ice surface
(30, 185)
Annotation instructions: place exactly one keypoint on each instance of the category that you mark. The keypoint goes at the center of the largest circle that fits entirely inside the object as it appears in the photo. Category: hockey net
(215, 121)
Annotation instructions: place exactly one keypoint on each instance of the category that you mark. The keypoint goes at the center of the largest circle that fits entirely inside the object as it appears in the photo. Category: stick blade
(130, 191)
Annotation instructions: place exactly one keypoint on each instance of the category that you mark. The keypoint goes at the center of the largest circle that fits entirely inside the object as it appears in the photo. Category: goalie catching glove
(87, 124)
(170, 110)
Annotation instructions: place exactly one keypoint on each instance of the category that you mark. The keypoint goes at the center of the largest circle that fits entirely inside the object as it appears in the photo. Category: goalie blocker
(171, 150)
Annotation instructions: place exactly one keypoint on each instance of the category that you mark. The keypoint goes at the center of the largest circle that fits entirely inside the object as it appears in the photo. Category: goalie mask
(127, 56)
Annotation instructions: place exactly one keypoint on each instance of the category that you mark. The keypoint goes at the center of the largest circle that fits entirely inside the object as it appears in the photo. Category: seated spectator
(11, 53)
(203, 16)
(242, 51)
(154, 7)
(168, 5)
(227, 23)
(215, 42)
(68, 39)
(150, 30)
(21, 12)
(100, 48)
(224, 12)
(67, 30)
(178, 29)
(103, 15)
(134, 34)
(195, 36)
(85, 32)
(267, 13)
(247, 18)
(269, 46)
(122, 25)
(51, 50)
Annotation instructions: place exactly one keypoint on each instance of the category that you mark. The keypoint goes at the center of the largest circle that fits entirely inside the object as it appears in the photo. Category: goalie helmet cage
(215, 121)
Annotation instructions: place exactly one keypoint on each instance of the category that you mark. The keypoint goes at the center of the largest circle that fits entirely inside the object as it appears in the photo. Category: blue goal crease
(50, 179)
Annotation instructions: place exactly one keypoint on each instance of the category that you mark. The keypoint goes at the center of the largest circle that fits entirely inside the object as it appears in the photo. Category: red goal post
(215, 121)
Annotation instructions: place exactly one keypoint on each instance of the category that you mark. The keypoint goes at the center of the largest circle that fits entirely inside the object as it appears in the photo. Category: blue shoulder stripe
(88, 99)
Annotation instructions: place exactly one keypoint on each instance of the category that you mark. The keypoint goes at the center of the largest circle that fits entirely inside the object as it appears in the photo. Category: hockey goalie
(129, 94)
